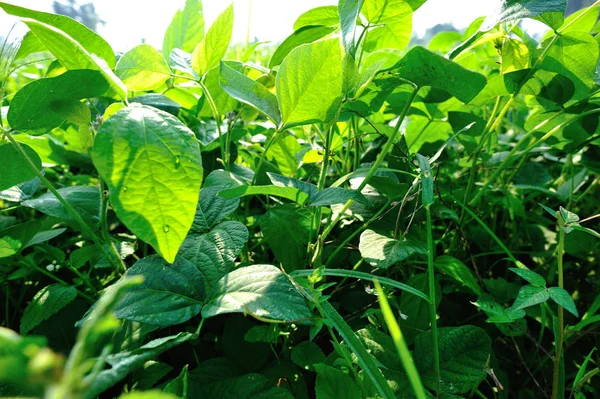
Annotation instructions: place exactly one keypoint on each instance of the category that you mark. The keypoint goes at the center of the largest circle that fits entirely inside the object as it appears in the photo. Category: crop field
(344, 214)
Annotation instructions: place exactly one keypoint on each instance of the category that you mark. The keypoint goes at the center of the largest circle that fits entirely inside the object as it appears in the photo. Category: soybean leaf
(307, 354)
(458, 271)
(262, 290)
(381, 251)
(463, 354)
(150, 160)
(336, 195)
(46, 103)
(212, 48)
(212, 208)
(214, 253)
(179, 385)
(15, 169)
(73, 56)
(14, 238)
(307, 34)
(349, 11)
(186, 29)
(586, 230)
(318, 16)
(425, 68)
(530, 295)
(288, 244)
(151, 394)
(385, 11)
(284, 181)
(181, 61)
(169, 295)
(143, 68)
(510, 10)
(530, 276)
(499, 314)
(394, 35)
(249, 91)
(574, 55)
(123, 363)
(88, 39)
(47, 302)
(309, 83)
(84, 199)
(332, 383)
(562, 298)
(291, 193)
(416, 309)
(44, 236)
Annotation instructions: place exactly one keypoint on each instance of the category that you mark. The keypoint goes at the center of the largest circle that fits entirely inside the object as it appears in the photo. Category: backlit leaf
(186, 29)
(143, 68)
(212, 48)
(381, 251)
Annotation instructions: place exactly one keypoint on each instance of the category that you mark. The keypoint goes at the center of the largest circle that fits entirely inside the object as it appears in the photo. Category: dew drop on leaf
(177, 162)
(166, 228)
(125, 188)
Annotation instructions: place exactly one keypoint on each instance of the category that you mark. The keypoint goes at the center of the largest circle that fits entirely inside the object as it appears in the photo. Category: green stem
(84, 227)
(382, 156)
(432, 301)
(561, 329)
(45, 272)
(215, 112)
(264, 155)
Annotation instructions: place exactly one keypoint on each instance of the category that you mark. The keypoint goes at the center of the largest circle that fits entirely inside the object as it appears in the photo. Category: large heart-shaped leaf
(143, 68)
(15, 169)
(381, 251)
(212, 208)
(150, 161)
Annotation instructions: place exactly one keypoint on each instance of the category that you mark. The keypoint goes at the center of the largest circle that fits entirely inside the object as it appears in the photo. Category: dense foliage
(345, 216)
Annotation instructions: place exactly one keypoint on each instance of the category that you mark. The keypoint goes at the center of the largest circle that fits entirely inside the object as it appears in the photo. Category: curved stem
(84, 227)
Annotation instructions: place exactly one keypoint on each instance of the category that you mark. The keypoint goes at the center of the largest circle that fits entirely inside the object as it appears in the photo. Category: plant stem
(84, 227)
(432, 301)
(263, 156)
(382, 155)
(561, 329)
(215, 112)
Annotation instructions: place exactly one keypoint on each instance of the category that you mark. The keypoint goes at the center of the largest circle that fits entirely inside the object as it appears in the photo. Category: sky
(128, 22)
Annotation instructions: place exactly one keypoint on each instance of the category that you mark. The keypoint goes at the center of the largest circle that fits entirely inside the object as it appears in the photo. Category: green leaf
(14, 238)
(309, 83)
(123, 363)
(562, 298)
(574, 55)
(143, 68)
(395, 36)
(89, 40)
(515, 55)
(212, 208)
(151, 394)
(291, 193)
(349, 11)
(331, 383)
(169, 295)
(47, 103)
(382, 252)
(211, 50)
(262, 290)
(249, 91)
(179, 385)
(284, 181)
(385, 11)
(510, 10)
(464, 352)
(15, 169)
(336, 195)
(186, 29)
(530, 276)
(307, 354)
(149, 161)
(582, 369)
(214, 253)
(47, 302)
(586, 230)
(84, 199)
(318, 16)
(499, 314)
(308, 34)
(416, 309)
(427, 194)
(424, 68)
(458, 271)
(568, 217)
(73, 56)
(530, 295)
(288, 244)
